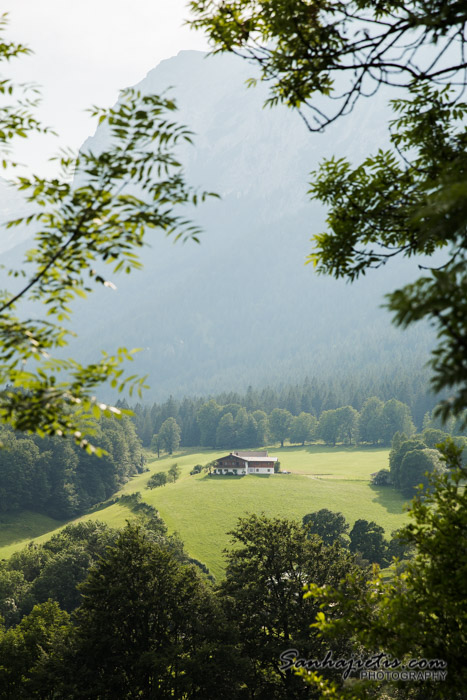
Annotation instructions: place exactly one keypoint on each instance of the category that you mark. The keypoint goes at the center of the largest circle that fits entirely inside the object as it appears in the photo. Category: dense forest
(52, 475)
(103, 613)
(198, 637)
(350, 411)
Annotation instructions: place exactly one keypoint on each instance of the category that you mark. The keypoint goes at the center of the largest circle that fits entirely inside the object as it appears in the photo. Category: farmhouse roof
(249, 455)
(252, 456)
(262, 459)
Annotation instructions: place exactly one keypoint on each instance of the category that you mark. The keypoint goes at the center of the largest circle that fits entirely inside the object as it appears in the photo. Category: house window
(257, 470)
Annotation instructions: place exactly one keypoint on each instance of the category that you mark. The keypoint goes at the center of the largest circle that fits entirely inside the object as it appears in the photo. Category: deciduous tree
(368, 539)
(330, 526)
(169, 435)
(395, 417)
(25, 650)
(270, 562)
(225, 433)
(156, 444)
(208, 417)
(240, 427)
(396, 456)
(157, 479)
(328, 426)
(174, 472)
(370, 424)
(415, 467)
(148, 627)
(279, 424)
(302, 428)
(432, 437)
(347, 418)
(262, 427)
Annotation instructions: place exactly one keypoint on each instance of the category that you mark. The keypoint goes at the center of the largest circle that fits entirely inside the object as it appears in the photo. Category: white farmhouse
(238, 463)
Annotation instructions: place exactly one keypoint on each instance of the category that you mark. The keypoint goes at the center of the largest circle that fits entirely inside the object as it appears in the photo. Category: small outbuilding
(239, 463)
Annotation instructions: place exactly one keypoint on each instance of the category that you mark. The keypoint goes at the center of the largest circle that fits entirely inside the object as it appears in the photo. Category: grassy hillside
(203, 508)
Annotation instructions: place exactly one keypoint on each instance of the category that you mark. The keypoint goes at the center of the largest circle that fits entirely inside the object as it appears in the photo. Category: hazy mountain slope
(241, 307)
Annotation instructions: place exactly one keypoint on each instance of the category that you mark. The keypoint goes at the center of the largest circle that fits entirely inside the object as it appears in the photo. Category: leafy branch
(100, 210)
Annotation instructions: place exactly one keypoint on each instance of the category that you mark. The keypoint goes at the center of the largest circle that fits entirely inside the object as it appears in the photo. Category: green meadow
(202, 508)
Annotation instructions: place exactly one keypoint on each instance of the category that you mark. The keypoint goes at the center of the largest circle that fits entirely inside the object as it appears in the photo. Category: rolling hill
(203, 509)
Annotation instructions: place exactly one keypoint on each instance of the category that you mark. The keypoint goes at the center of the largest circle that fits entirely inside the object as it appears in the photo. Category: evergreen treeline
(229, 426)
(55, 477)
(313, 397)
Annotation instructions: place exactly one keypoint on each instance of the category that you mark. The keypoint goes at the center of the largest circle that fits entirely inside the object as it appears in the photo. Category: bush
(158, 479)
(174, 472)
(131, 499)
(134, 501)
(415, 466)
(382, 478)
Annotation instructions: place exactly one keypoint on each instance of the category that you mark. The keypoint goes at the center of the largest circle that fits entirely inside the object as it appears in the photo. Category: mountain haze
(242, 307)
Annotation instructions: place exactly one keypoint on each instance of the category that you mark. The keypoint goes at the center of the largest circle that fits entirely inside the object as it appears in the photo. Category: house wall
(232, 464)
(222, 470)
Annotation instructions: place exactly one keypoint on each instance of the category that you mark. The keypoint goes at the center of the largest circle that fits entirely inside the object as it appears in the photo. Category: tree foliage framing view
(97, 210)
(405, 201)
(320, 58)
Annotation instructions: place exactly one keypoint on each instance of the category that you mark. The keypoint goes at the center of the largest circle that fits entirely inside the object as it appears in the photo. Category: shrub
(382, 478)
(158, 479)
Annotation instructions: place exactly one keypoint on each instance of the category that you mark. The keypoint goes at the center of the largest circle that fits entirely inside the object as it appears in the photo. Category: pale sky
(85, 51)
